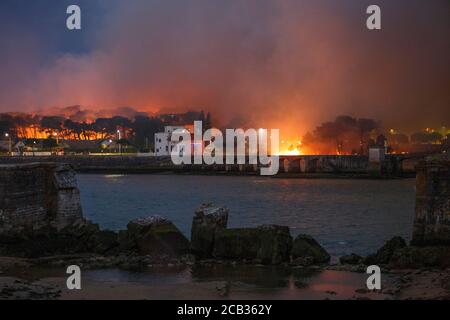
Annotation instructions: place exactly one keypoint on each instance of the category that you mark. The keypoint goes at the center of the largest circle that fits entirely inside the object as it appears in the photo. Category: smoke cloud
(284, 64)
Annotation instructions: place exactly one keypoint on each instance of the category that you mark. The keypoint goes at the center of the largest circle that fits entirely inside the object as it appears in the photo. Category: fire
(290, 148)
(31, 132)
(36, 132)
(290, 153)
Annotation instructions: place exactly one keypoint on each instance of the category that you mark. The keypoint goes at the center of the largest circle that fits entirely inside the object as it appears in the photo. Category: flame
(290, 148)
(289, 153)
(36, 132)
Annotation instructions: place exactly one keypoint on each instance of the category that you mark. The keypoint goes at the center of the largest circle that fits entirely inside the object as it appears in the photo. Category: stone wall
(38, 196)
(432, 217)
(288, 164)
(323, 164)
(88, 163)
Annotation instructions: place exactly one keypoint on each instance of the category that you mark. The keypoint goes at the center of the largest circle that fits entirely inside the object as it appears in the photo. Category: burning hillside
(77, 124)
(345, 135)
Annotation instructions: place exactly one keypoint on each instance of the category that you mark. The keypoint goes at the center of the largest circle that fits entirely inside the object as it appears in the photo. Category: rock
(236, 244)
(303, 261)
(223, 288)
(420, 257)
(41, 213)
(269, 244)
(90, 238)
(370, 260)
(432, 209)
(352, 259)
(37, 196)
(385, 253)
(83, 237)
(207, 220)
(275, 244)
(153, 236)
(104, 242)
(306, 246)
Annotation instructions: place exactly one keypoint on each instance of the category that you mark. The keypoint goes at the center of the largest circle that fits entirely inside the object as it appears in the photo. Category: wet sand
(213, 282)
(20, 279)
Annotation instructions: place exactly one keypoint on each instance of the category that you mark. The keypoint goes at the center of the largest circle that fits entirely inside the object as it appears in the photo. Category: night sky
(290, 64)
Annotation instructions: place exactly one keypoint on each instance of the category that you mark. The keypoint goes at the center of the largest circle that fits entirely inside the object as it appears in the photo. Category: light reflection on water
(264, 277)
(343, 215)
(244, 282)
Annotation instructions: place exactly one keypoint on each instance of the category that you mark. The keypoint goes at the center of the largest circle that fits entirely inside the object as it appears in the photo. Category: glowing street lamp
(7, 135)
(55, 134)
(120, 146)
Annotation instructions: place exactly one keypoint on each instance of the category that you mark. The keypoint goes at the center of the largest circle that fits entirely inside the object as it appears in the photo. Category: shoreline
(23, 279)
(267, 256)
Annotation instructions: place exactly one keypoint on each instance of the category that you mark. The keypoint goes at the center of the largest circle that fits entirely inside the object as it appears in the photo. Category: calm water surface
(343, 215)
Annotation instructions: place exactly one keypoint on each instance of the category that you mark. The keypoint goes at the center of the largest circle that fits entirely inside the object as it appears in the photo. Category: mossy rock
(239, 243)
(306, 246)
(352, 259)
(420, 257)
(265, 244)
(153, 236)
(385, 253)
(207, 220)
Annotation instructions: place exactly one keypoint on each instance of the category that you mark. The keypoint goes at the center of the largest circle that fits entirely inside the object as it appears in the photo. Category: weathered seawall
(38, 196)
(432, 216)
(288, 165)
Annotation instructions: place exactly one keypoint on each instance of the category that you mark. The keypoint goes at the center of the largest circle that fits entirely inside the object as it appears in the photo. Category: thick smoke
(286, 64)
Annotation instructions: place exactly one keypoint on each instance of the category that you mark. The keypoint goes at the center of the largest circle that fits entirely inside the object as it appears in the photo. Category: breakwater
(432, 214)
(38, 196)
(289, 165)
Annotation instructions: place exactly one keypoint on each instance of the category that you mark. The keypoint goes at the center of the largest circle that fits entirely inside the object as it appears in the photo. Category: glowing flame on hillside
(290, 148)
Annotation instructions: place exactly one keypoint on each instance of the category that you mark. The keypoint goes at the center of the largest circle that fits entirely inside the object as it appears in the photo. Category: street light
(10, 143)
(57, 137)
(120, 146)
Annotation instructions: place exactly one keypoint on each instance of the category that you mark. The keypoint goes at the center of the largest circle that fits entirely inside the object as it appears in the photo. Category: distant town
(72, 131)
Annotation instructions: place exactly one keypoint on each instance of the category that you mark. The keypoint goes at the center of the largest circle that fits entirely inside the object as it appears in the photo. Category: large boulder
(41, 215)
(82, 237)
(269, 244)
(275, 244)
(420, 257)
(352, 259)
(306, 247)
(384, 254)
(153, 236)
(207, 220)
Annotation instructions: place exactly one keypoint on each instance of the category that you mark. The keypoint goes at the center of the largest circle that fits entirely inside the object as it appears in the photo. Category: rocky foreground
(417, 272)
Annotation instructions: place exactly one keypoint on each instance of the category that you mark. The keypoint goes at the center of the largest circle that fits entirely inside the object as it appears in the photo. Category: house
(164, 144)
(377, 154)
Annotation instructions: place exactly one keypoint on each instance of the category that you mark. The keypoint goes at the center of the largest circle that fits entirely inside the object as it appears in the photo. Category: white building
(377, 154)
(163, 144)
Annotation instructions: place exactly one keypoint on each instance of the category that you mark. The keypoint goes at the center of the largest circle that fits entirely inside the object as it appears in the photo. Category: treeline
(349, 135)
(139, 131)
(344, 135)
